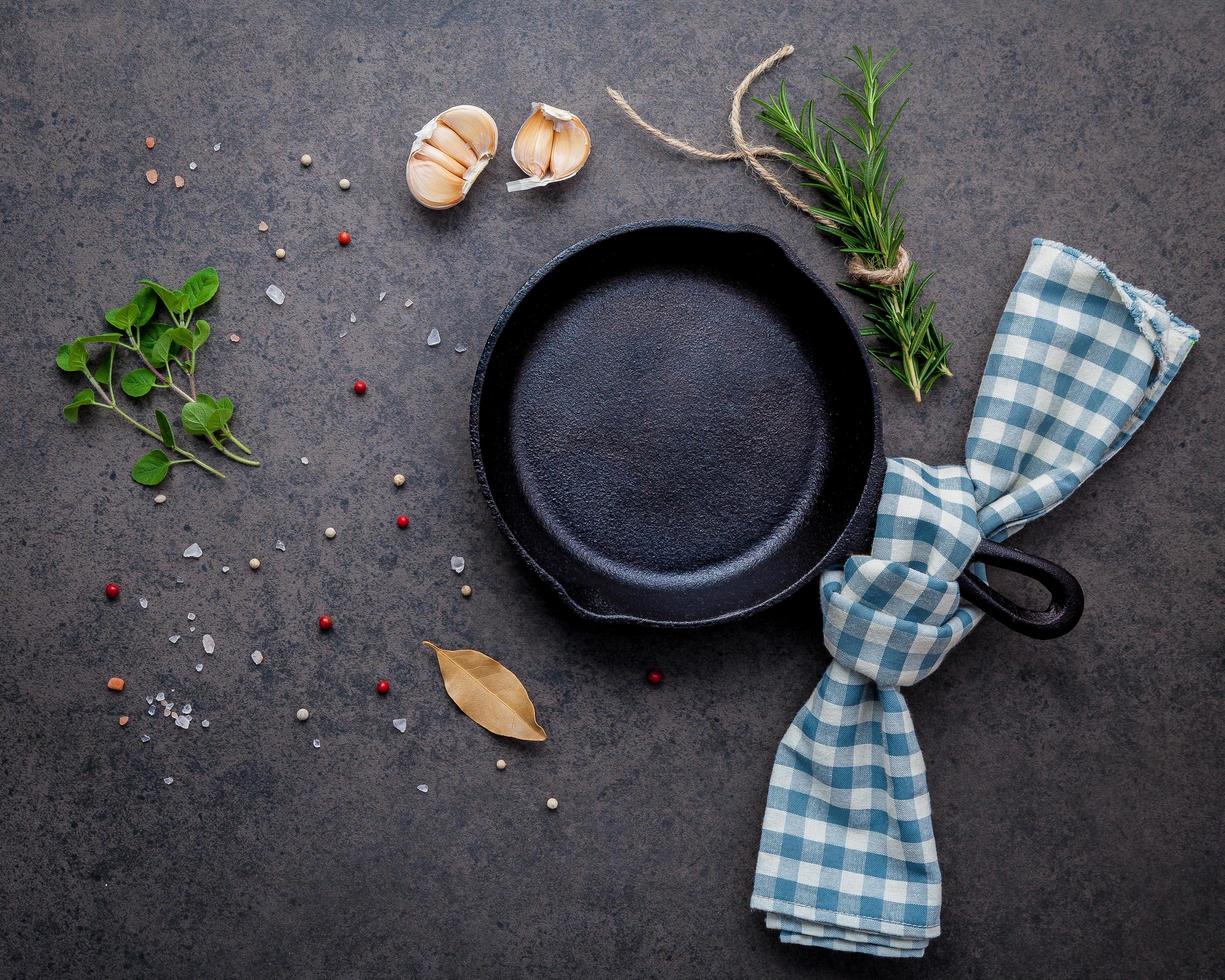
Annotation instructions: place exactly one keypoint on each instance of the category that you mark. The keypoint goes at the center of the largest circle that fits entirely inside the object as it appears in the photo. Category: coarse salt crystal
(257, 658)
(273, 292)
(207, 641)
(193, 550)
(434, 339)
(400, 723)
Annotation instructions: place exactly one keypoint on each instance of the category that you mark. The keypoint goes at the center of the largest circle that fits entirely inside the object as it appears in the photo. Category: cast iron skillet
(676, 425)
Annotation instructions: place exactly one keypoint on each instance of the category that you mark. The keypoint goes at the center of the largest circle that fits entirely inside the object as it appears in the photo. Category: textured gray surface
(1076, 784)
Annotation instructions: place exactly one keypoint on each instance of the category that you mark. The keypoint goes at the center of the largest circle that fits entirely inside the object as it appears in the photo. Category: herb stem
(110, 405)
(234, 439)
(166, 379)
(216, 444)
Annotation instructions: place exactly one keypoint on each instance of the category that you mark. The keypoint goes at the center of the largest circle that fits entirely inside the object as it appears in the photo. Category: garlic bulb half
(552, 145)
(449, 153)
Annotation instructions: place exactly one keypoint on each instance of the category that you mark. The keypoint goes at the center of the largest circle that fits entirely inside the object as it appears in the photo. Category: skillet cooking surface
(674, 424)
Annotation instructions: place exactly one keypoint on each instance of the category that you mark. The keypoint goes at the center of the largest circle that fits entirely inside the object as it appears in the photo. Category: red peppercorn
(344, 238)
(325, 623)
(112, 590)
(655, 676)
(402, 521)
(382, 687)
(359, 387)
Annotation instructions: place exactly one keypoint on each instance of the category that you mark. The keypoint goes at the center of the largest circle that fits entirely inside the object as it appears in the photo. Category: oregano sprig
(858, 210)
(161, 348)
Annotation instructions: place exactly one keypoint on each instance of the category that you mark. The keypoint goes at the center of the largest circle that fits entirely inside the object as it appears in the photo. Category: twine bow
(752, 155)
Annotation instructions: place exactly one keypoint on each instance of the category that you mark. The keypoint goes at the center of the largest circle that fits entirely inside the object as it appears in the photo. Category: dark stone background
(1077, 784)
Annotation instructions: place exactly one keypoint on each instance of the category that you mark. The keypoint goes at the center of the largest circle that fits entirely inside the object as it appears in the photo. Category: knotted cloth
(847, 858)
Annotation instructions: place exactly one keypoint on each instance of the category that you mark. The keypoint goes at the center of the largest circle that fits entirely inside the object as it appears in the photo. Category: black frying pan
(676, 425)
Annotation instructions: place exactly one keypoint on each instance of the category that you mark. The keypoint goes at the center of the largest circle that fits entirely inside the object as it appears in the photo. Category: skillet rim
(858, 526)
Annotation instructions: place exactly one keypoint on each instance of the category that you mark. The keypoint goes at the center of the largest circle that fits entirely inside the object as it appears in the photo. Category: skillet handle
(1067, 599)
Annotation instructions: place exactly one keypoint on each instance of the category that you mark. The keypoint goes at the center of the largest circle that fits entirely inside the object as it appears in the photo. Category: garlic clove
(452, 144)
(571, 147)
(475, 126)
(551, 145)
(430, 152)
(432, 185)
(448, 154)
(533, 144)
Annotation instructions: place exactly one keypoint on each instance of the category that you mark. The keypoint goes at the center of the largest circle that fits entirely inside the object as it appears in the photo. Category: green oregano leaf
(201, 287)
(225, 411)
(160, 353)
(145, 302)
(123, 317)
(163, 426)
(201, 416)
(138, 382)
(151, 468)
(148, 344)
(101, 338)
(71, 357)
(201, 334)
(175, 301)
(182, 337)
(82, 399)
(102, 373)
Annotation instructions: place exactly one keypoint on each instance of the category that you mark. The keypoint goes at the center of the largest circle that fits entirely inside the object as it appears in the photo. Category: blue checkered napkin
(847, 858)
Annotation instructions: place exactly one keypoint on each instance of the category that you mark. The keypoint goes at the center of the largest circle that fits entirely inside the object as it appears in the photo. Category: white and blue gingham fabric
(847, 858)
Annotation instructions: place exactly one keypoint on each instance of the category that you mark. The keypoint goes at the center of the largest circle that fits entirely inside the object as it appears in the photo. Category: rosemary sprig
(858, 210)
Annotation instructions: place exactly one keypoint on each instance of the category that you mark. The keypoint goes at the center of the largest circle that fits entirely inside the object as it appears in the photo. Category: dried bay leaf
(488, 693)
